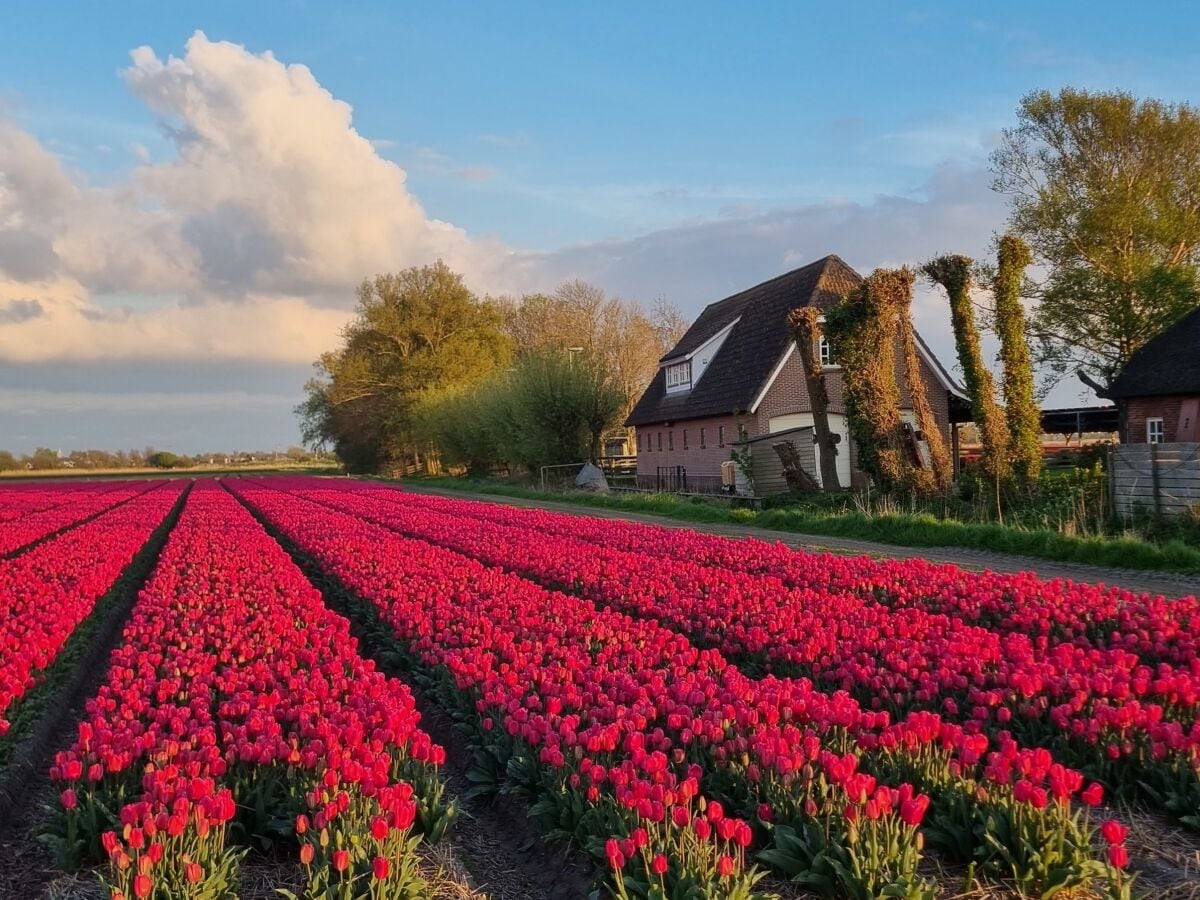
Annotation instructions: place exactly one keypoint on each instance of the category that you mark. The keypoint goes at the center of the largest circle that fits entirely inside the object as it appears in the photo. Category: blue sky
(671, 149)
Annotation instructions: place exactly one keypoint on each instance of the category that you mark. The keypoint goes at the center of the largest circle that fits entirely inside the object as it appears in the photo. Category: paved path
(1165, 583)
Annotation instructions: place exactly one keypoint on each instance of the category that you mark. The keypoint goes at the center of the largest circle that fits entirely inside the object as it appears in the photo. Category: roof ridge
(823, 262)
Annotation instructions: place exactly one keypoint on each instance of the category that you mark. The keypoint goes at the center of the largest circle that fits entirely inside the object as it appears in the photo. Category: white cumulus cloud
(251, 235)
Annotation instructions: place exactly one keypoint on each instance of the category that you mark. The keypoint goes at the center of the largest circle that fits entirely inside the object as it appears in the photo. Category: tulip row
(1101, 708)
(47, 591)
(1088, 615)
(564, 677)
(17, 501)
(236, 696)
(37, 525)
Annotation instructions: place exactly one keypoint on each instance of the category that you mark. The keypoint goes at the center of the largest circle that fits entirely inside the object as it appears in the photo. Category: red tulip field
(204, 679)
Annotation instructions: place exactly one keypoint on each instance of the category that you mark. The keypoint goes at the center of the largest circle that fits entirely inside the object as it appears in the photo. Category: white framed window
(1154, 431)
(825, 349)
(825, 352)
(679, 374)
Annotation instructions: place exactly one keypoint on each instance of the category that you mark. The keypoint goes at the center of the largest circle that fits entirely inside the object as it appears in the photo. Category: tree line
(45, 459)
(428, 374)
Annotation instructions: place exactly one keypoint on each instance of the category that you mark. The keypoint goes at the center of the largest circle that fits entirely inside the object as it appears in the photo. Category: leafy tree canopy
(414, 331)
(1105, 188)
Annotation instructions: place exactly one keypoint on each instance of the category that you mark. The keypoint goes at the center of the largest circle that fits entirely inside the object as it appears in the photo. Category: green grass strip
(919, 530)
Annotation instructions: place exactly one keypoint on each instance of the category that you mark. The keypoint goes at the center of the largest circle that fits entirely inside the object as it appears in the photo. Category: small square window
(1154, 431)
(702, 445)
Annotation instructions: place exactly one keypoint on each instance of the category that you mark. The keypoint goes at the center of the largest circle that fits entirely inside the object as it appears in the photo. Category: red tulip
(1114, 832)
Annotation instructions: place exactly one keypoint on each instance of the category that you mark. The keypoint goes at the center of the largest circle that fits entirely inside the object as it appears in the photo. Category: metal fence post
(1154, 481)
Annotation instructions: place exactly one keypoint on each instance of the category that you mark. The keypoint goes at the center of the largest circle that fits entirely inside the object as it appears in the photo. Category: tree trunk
(804, 325)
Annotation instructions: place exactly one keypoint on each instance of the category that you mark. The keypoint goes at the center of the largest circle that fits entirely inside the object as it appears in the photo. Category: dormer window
(679, 374)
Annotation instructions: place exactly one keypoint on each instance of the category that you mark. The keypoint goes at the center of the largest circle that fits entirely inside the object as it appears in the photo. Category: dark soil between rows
(504, 855)
(27, 796)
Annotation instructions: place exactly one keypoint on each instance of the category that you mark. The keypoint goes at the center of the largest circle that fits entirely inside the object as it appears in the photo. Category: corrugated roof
(1168, 363)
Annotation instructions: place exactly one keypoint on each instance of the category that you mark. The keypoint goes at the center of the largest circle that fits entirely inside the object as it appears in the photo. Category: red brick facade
(1139, 409)
(695, 444)
(787, 395)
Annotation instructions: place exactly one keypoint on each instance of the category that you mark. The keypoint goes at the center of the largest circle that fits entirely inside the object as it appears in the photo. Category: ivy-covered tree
(953, 273)
(1020, 404)
(941, 471)
(863, 328)
(805, 326)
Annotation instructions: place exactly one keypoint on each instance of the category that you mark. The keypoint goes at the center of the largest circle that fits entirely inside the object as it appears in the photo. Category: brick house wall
(697, 460)
(1139, 409)
(789, 394)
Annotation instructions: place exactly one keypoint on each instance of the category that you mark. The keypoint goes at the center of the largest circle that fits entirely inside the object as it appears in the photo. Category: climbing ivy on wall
(863, 328)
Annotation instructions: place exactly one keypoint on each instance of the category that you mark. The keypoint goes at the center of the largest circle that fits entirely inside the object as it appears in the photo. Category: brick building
(1159, 388)
(736, 374)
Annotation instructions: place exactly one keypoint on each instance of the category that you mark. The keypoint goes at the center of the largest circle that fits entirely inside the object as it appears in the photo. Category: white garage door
(837, 424)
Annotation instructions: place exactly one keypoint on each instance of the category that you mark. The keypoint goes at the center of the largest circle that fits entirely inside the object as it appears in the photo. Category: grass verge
(919, 530)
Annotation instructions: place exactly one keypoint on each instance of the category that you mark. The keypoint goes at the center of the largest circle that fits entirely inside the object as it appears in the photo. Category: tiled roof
(742, 366)
(1168, 363)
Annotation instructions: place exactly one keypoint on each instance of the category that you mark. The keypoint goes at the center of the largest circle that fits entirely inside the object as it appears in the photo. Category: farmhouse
(1159, 387)
(736, 376)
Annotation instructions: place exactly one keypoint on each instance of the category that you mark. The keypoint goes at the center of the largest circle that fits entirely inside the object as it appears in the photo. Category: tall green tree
(619, 335)
(1105, 188)
(42, 458)
(953, 273)
(552, 407)
(1020, 403)
(414, 331)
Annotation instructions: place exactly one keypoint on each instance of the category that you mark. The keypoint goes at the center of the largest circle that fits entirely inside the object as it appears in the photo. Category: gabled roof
(753, 348)
(1168, 363)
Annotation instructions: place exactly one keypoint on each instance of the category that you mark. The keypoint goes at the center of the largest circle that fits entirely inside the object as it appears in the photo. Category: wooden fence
(1163, 479)
(769, 478)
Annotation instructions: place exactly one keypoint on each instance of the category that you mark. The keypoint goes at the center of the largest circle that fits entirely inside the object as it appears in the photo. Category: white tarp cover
(590, 478)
